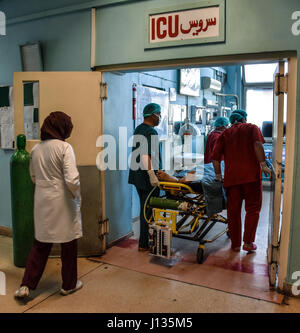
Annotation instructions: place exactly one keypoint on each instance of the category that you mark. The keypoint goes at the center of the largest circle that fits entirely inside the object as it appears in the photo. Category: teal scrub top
(140, 177)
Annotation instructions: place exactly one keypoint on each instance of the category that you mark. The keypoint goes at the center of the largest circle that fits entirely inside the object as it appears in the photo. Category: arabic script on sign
(188, 24)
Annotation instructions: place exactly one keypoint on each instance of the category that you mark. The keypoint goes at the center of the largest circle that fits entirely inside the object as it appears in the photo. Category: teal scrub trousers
(144, 228)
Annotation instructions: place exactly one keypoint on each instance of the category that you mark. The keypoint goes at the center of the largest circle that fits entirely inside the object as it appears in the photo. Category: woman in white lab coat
(57, 217)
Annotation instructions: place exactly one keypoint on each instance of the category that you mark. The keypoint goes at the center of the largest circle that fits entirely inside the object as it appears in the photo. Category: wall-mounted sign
(204, 24)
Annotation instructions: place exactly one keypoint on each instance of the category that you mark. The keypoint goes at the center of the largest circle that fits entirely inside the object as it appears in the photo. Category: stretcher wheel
(200, 254)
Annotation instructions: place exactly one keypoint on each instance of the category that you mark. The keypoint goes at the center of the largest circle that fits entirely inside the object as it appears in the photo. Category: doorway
(182, 106)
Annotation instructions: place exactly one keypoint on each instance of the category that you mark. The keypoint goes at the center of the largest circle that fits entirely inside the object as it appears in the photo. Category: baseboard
(119, 239)
(5, 231)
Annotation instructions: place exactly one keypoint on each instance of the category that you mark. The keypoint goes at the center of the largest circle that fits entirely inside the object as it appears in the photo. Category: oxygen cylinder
(22, 194)
(168, 204)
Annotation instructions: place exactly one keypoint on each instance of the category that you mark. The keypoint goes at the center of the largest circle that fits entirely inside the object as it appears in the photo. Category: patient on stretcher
(204, 184)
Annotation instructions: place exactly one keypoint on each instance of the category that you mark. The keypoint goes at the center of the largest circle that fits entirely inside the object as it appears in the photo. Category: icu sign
(187, 26)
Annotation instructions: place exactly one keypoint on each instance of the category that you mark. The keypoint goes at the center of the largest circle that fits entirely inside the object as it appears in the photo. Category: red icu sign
(184, 25)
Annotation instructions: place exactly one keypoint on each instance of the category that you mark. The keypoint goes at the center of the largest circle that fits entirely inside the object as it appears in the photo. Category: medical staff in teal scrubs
(145, 162)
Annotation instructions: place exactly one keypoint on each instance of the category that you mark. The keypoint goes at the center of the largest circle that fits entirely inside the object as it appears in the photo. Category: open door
(78, 95)
(276, 181)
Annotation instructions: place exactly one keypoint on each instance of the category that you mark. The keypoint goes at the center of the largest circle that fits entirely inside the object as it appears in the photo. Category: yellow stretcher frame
(175, 187)
(168, 217)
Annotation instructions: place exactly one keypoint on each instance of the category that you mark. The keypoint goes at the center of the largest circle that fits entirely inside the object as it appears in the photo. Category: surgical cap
(241, 112)
(221, 121)
(235, 117)
(150, 109)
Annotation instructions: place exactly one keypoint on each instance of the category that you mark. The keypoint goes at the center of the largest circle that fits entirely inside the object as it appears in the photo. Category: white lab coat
(57, 200)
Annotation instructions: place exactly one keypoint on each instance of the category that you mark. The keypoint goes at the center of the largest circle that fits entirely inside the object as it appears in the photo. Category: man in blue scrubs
(145, 164)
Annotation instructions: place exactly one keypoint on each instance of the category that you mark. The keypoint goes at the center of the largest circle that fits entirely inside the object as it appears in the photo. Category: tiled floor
(237, 273)
(112, 289)
(222, 269)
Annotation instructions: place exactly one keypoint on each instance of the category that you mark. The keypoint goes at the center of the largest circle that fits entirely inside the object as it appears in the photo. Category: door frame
(288, 200)
(227, 60)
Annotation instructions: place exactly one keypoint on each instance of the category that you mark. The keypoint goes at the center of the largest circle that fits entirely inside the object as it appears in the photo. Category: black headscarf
(57, 125)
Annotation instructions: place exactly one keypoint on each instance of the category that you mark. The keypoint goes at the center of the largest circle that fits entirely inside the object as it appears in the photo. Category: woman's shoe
(22, 292)
(79, 285)
(236, 249)
(249, 247)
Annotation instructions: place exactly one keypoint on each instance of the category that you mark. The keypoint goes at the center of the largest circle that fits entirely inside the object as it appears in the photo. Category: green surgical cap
(221, 121)
(151, 108)
(235, 117)
(241, 112)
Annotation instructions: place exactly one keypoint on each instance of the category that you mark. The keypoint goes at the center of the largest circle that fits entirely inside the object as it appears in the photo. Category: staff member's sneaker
(249, 247)
(79, 285)
(22, 292)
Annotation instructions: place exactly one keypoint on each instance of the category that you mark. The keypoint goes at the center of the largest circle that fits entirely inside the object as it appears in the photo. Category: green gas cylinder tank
(164, 203)
(22, 194)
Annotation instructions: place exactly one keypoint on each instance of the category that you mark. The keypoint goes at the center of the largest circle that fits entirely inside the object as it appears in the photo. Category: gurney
(187, 211)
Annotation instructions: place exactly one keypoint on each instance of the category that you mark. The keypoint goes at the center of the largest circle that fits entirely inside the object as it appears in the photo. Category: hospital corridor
(149, 166)
(123, 279)
(120, 287)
